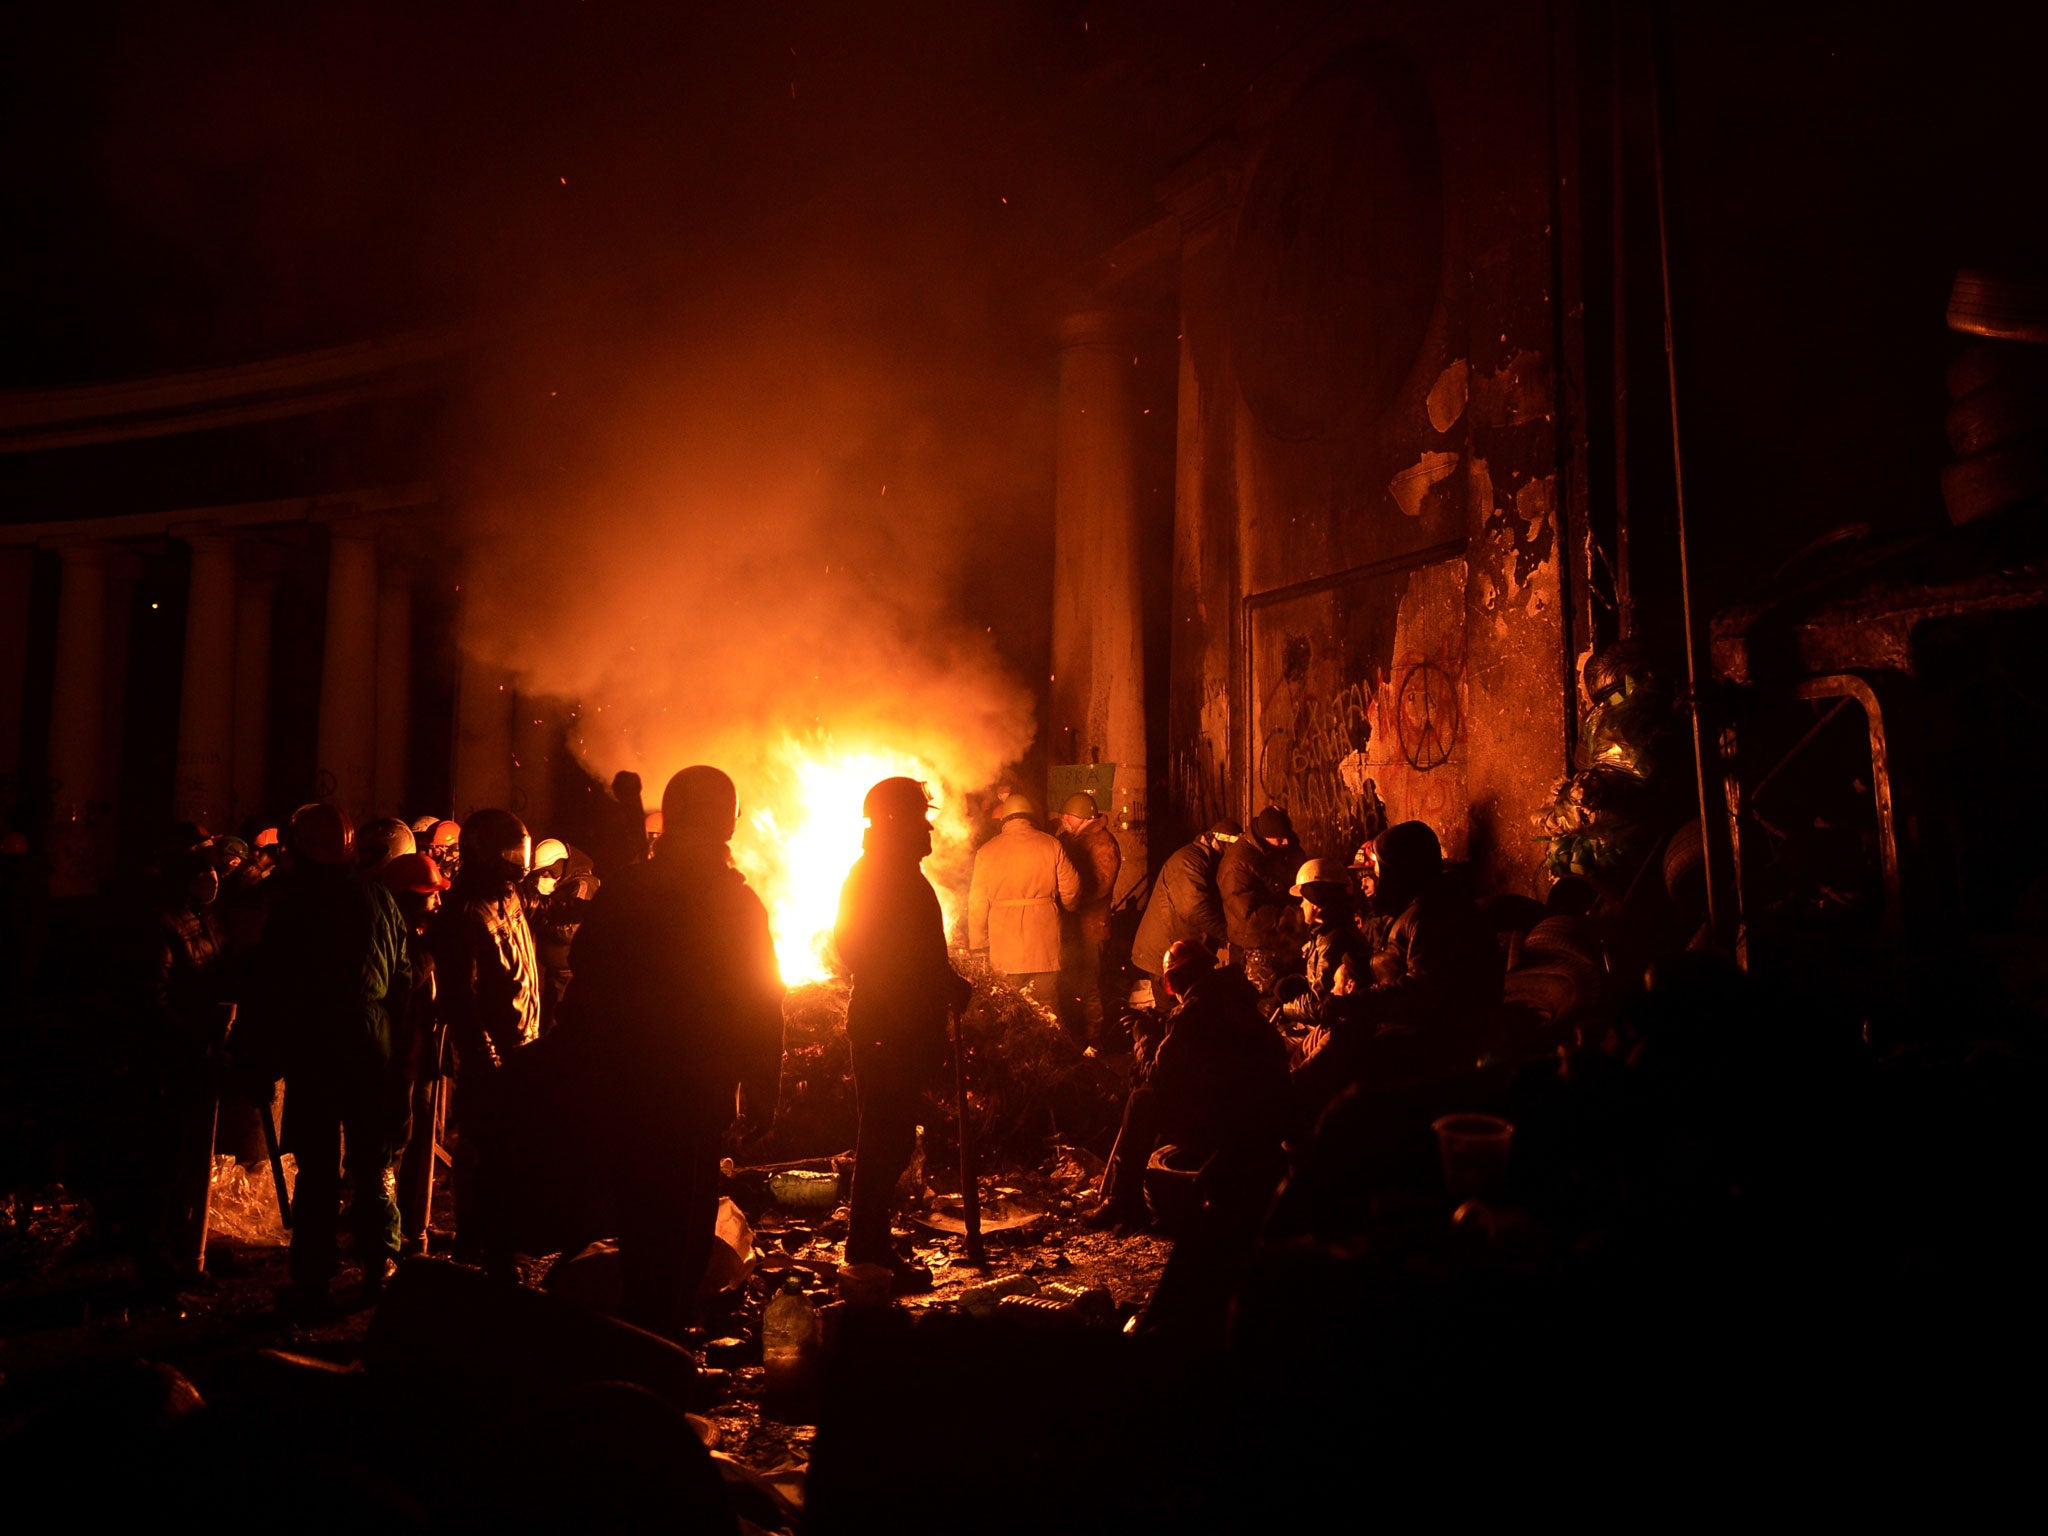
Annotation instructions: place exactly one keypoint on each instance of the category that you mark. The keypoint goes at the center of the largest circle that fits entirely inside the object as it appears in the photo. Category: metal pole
(1692, 669)
(970, 1193)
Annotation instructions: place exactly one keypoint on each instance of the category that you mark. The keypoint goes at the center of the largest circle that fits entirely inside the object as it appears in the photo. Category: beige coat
(1022, 877)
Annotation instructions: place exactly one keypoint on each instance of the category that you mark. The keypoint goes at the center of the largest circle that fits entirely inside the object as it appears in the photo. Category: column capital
(352, 523)
(1097, 327)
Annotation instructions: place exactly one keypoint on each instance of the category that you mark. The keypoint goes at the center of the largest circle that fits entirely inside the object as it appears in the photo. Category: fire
(797, 844)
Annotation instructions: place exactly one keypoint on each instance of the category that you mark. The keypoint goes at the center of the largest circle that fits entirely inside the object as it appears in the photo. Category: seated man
(1337, 955)
(1215, 1091)
(1434, 985)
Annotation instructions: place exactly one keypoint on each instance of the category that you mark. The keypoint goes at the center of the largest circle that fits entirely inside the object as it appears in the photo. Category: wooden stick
(970, 1193)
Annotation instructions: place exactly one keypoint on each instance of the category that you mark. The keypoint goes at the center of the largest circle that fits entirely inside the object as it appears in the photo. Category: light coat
(1022, 878)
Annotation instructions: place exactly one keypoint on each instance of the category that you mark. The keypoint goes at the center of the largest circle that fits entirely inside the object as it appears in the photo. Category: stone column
(482, 773)
(254, 597)
(394, 678)
(348, 671)
(17, 577)
(206, 700)
(1098, 686)
(78, 718)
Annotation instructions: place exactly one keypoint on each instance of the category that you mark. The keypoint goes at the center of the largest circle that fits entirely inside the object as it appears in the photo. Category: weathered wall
(1368, 612)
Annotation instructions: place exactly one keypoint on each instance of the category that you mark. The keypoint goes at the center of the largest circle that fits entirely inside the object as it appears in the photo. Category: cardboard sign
(1097, 779)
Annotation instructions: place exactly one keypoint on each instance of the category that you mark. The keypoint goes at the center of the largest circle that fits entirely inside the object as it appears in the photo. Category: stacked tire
(1998, 389)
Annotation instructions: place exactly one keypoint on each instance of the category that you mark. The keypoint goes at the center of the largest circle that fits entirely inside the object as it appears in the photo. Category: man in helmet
(417, 884)
(1435, 980)
(1265, 931)
(1092, 850)
(1184, 903)
(677, 1003)
(1337, 957)
(444, 847)
(557, 895)
(1022, 880)
(891, 940)
(333, 981)
(489, 983)
(1215, 1091)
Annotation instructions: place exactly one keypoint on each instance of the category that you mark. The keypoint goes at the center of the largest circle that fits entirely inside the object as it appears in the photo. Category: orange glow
(796, 845)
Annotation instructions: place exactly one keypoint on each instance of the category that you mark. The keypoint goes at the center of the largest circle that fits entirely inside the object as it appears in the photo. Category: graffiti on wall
(1358, 692)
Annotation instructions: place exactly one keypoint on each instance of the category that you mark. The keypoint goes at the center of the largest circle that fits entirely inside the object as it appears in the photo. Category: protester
(619, 834)
(1436, 980)
(171, 1077)
(891, 938)
(1215, 1091)
(1022, 880)
(557, 894)
(444, 847)
(1092, 850)
(1336, 957)
(1185, 903)
(334, 975)
(677, 1002)
(1265, 931)
(489, 990)
(416, 884)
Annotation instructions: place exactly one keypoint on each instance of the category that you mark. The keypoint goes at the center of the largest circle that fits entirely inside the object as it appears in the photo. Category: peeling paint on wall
(1412, 485)
(1447, 396)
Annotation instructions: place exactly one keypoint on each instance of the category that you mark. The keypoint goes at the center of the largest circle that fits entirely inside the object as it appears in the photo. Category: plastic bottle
(789, 1338)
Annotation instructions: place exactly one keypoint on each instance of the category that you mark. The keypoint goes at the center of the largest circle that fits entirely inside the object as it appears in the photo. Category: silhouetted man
(677, 1001)
(1092, 850)
(333, 968)
(1184, 903)
(892, 940)
(1215, 1092)
(1258, 914)
(488, 978)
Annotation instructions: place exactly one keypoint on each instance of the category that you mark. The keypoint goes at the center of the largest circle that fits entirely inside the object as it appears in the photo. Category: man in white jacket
(1022, 880)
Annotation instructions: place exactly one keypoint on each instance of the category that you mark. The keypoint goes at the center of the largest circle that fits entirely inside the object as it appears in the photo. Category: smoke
(768, 520)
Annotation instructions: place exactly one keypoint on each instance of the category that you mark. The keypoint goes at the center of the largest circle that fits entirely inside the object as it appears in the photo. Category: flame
(797, 845)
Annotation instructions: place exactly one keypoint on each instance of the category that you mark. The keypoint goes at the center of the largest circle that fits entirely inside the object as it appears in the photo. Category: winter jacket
(1332, 945)
(1221, 1072)
(1022, 878)
(180, 982)
(332, 979)
(677, 995)
(1098, 860)
(891, 938)
(1258, 914)
(487, 972)
(1183, 905)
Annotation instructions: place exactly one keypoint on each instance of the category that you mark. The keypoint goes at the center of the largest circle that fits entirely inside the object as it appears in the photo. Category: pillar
(1098, 687)
(482, 772)
(394, 680)
(78, 718)
(348, 672)
(255, 595)
(17, 577)
(206, 699)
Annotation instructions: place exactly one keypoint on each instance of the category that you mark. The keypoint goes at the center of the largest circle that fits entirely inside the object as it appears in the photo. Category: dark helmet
(383, 840)
(1409, 857)
(700, 805)
(1225, 831)
(495, 842)
(1081, 806)
(898, 800)
(321, 833)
